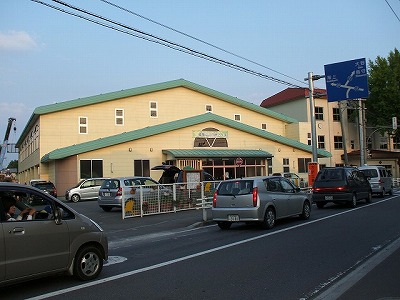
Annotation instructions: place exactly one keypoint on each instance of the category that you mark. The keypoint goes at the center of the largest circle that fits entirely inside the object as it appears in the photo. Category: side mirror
(58, 216)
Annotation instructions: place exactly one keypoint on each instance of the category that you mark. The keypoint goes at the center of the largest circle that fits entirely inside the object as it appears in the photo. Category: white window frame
(119, 117)
(264, 126)
(152, 109)
(80, 125)
(210, 108)
(237, 117)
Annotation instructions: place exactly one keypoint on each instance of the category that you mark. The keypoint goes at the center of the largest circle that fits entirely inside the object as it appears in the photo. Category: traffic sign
(346, 80)
(239, 161)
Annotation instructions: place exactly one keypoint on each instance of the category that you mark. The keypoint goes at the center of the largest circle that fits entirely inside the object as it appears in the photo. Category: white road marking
(174, 261)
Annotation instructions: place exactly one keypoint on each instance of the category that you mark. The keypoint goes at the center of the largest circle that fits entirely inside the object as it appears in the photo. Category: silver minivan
(86, 189)
(40, 236)
(379, 178)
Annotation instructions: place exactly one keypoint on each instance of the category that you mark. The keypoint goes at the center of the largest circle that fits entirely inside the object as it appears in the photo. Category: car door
(294, 200)
(87, 190)
(278, 196)
(35, 246)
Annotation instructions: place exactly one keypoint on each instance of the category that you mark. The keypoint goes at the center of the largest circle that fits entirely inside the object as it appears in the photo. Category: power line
(197, 39)
(392, 10)
(152, 38)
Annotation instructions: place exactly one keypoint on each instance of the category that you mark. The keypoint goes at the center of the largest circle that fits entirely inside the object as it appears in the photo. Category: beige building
(128, 132)
(295, 102)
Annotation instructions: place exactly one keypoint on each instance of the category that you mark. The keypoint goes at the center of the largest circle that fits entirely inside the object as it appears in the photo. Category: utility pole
(311, 79)
(344, 134)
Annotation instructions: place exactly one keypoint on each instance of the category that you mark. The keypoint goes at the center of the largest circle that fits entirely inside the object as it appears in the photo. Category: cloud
(16, 40)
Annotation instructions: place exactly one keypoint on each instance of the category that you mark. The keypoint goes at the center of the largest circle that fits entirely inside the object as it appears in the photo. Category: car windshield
(240, 187)
(372, 173)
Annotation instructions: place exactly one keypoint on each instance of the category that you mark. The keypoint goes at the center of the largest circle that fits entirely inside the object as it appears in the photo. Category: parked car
(258, 199)
(57, 240)
(46, 186)
(86, 189)
(113, 190)
(340, 185)
(379, 178)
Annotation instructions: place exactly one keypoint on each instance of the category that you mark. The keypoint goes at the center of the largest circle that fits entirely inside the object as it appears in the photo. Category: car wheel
(224, 225)
(320, 204)
(75, 198)
(369, 198)
(306, 211)
(88, 263)
(106, 208)
(269, 219)
(353, 202)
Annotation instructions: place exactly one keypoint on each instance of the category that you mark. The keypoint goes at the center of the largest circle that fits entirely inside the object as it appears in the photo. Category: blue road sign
(346, 80)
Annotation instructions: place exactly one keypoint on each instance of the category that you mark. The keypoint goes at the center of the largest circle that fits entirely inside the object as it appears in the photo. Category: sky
(47, 56)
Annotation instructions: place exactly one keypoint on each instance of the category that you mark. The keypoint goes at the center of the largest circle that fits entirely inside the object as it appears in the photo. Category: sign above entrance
(209, 134)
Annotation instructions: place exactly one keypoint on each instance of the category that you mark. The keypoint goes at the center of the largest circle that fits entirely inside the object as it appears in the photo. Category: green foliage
(13, 164)
(384, 87)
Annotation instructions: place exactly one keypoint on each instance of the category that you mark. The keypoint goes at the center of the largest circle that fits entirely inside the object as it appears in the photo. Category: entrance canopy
(208, 153)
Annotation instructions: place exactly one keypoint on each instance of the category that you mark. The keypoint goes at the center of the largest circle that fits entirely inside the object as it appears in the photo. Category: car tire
(320, 205)
(353, 202)
(224, 225)
(269, 219)
(88, 263)
(106, 208)
(369, 198)
(305, 215)
(75, 198)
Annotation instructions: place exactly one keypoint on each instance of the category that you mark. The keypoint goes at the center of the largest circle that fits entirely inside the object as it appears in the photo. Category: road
(162, 257)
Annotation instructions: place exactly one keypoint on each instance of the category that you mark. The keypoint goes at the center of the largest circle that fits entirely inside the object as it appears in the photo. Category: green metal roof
(170, 126)
(209, 153)
(51, 108)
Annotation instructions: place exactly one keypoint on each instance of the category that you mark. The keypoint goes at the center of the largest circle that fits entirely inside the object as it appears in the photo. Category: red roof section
(288, 95)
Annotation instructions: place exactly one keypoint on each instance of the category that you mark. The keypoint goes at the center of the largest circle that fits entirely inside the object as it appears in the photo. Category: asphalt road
(177, 256)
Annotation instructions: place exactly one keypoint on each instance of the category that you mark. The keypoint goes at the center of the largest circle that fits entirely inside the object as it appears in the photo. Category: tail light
(255, 194)
(380, 181)
(215, 199)
(119, 192)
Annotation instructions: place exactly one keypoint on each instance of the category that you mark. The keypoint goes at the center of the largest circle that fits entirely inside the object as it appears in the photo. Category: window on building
(352, 144)
(351, 114)
(309, 138)
(83, 125)
(90, 168)
(119, 116)
(321, 142)
(153, 109)
(338, 142)
(303, 164)
(286, 166)
(264, 126)
(209, 108)
(383, 143)
(336, 114)
(141, 167)
(237, 117)
(319, 113)
(396, 143)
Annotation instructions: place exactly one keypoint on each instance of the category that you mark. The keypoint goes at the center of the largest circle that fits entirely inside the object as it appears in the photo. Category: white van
(379, 178)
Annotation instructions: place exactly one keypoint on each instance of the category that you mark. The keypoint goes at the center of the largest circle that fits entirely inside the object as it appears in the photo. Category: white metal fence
(165, 198)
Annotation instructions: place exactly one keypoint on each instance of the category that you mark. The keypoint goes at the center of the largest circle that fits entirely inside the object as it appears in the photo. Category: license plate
(106, 194)
(233, 218)
(328, 198)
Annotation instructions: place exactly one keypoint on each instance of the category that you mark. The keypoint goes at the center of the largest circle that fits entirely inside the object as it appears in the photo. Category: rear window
(331, 174)
(44, 186)
(240, 187)
(111, 184)
(372, 173)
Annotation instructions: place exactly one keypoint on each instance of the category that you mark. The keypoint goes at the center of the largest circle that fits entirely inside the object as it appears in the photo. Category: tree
(13, 164)
(384, 87)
